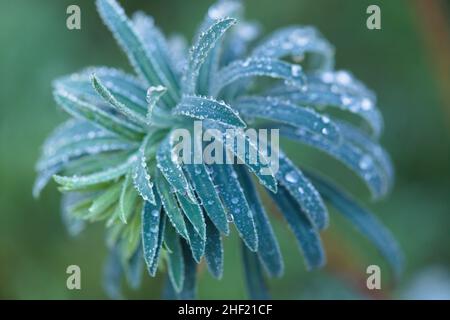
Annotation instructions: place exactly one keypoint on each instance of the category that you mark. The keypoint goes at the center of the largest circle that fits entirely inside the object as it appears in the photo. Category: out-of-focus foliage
(34, 250)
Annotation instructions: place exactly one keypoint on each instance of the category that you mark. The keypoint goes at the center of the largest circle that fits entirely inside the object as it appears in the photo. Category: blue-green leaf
(295, 41)
(196, 243)
(339, 90)
(153, 96)
(363, 220)
(145, 64)
(79, 182)
(150, 230)
(154, 265)
(368, 160)
(234, 201)
(76, 148)
(189, 291)
(254, 280)
(194, 214)
(126, 88)
(112, 275)
(252, 67)
(141, 177)
(109, 97)
(99, 115)
(302, 191)
(200, 50)
(73, 225)
(170, 205)
(133, 269)
(268, 248)
(175, 258)
(213, 250)
(127, 199)
(253, 157)
(202, 108)
(155, 44)
(207, 193)
(307, 236)
(282, 111)
(171, 169)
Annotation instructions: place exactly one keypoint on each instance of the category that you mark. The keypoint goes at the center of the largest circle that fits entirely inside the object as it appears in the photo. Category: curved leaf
(202, 108)
(170, 205)
(254, 280)
(252, 67)
(213, 250)
(200, 50)
(145, 64)
(285, 112)
(268, 248)
(306, 234)
(363, 220)
(175, 258)
(233, 199)
(295, 42)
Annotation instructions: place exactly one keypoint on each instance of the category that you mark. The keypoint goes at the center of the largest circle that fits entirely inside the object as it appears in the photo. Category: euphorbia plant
(114, 159)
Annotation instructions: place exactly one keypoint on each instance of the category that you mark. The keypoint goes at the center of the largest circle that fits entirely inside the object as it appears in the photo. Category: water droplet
(324, 131)
(230, 218)
(366, 104)
(234, 200)
(291, 177)
(343, 77)
(295, 70)
(154, 229)
(300, 190)
(365, 162)
(155, 213)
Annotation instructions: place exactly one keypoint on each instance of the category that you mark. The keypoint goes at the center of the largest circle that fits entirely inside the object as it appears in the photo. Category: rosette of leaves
(113, 161)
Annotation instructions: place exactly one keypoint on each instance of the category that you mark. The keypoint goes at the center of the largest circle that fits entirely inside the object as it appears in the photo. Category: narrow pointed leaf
(363, 220)
(151, 221)
(80, 182)
(145, 64)
(189, 291)
(254, 280)
(141, 177)
(295, 42)
(303, 192)
(336, 90)
(175, 258)
(202, 108)
(133, 269)
(194, 214)
(171, 170)
(304, 231)
(112, 275)
(109, 97)
(161, 231)
(360, 158)
(234, 201)
(268, 248)
(253, 157)
(196, 243)
(199, 52)
(170, 205)
(100, 116)
(106, 200)
(285, 112)
(257, 67)
(213, 250)
(207, 193)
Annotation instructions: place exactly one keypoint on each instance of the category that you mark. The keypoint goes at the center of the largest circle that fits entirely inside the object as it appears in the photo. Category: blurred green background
(405, 62)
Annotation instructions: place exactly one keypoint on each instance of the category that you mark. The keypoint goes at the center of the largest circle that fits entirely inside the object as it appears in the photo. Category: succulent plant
(114, 162)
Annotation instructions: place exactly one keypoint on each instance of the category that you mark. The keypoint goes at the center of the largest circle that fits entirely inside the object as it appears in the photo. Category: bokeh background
(407, 63)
